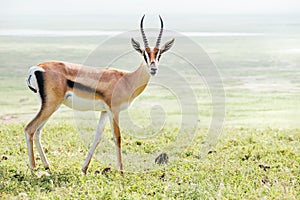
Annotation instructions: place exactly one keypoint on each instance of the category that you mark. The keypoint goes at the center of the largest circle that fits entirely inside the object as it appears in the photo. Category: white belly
(78, 103)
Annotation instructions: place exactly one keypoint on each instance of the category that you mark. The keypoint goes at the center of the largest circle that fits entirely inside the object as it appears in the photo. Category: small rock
(162, 159)
(106, 170)
(4, 157)
(264, 167)
(211, 151)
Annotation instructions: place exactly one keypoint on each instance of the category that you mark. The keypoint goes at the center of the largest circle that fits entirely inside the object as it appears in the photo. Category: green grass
(245, 164)
(251, 160)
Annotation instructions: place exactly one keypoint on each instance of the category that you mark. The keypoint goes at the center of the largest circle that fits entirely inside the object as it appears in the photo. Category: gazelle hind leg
(34, 127)
(29, 142)
(37, 141)
(97, 139)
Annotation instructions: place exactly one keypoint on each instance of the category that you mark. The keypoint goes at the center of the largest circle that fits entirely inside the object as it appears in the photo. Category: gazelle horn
(160, 33)
(143, 34)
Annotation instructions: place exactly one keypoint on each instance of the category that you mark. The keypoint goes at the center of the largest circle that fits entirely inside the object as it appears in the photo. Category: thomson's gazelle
(104, 89)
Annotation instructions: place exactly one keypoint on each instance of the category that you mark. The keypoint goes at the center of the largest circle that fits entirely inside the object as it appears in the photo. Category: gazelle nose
(153, 66)
(153, 69)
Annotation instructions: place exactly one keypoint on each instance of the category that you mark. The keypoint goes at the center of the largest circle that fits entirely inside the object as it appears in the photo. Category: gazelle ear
(136, 45)
(167, 46)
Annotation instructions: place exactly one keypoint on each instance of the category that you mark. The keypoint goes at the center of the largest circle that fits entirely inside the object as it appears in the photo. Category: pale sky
(78, 7)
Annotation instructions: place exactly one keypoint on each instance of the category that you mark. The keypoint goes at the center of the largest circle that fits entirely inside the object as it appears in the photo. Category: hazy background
(255, 45)
(122, 15)
(96, 7)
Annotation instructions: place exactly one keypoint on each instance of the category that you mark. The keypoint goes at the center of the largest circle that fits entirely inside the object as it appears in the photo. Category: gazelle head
(152, 55)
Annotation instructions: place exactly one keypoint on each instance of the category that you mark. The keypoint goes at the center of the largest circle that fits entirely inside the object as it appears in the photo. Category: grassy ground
(246, 164)
(256, 157)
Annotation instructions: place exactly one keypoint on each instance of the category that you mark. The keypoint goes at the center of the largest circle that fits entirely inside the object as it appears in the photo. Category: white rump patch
(31, 79)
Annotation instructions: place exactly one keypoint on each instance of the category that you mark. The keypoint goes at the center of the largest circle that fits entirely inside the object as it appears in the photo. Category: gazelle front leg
(114, 121)
(98, 136)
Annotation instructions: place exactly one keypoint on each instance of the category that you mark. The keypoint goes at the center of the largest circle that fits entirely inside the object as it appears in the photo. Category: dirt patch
(13, 118)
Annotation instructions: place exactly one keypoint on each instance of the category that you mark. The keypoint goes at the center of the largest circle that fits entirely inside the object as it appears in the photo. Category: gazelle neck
(139, 79)
(142, 74)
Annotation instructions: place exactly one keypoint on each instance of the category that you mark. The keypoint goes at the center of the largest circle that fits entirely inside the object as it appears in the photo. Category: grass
(245, 164)
(257, 156)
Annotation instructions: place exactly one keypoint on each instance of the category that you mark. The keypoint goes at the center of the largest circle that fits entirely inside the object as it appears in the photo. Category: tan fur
(152, 54)
(118, 87)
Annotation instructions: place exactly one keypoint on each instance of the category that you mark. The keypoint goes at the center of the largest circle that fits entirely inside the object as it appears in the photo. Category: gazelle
(86, 88)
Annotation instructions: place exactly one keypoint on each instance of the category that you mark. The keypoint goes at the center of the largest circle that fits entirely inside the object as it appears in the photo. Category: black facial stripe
(157, 55)
(145, 57)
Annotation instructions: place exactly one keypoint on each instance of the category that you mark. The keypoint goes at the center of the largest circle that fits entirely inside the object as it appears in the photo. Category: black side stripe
(80, 86)
(40, 81)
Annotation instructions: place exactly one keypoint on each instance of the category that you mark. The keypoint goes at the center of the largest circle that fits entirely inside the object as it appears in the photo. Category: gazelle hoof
(83, 170)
